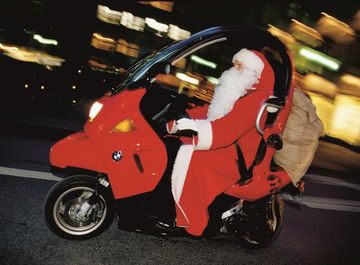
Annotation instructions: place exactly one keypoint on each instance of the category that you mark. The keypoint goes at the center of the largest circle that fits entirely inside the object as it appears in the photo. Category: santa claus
(207, 166)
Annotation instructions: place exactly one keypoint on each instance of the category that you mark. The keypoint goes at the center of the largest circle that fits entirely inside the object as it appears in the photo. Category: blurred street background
(57, 57)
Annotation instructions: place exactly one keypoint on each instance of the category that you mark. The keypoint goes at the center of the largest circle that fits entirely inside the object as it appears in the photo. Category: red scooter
(120, 164)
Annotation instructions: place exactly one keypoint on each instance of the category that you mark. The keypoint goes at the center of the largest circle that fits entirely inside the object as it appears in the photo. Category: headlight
(94, 110)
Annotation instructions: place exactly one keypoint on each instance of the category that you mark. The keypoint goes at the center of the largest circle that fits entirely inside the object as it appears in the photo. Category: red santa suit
(208, 167)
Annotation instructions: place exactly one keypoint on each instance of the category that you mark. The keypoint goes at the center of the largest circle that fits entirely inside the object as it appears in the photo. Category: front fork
(91, 199)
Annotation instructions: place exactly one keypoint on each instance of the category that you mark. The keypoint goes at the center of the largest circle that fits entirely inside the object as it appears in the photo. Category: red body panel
(144, 155)
(76, 150)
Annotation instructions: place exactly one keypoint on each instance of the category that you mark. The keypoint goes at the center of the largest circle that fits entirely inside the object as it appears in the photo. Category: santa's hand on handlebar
(182, 126)
(186, 124)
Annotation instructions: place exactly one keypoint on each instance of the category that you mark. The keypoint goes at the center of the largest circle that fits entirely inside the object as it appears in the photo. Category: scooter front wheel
(72, 211)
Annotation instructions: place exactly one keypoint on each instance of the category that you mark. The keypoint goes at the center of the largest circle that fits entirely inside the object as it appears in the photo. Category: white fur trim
(233, 85)
(181, 166)
(205, 136)
(250, 60)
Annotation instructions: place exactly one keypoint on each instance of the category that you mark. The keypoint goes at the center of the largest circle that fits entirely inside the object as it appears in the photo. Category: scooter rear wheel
(70, 213)
(262, 223)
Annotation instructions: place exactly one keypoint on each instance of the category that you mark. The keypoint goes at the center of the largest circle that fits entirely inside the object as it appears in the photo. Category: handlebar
(267, 105)
(187, 133)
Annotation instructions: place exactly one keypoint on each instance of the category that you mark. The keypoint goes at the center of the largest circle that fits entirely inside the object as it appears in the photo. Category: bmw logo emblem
(117, 155)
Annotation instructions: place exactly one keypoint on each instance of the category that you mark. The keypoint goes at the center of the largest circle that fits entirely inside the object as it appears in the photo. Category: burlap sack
(300, 138)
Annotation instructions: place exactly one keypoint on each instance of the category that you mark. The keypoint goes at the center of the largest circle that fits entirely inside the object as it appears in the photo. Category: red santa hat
(250, 60)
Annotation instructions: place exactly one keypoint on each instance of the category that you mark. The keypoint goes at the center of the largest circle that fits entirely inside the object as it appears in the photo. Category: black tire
(261, 235)
(63, 203)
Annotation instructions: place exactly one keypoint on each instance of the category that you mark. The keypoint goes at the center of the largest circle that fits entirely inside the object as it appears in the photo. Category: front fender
(78, 151)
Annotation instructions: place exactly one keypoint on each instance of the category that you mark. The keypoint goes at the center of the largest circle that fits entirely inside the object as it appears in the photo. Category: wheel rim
(272, 222)
(71, 218)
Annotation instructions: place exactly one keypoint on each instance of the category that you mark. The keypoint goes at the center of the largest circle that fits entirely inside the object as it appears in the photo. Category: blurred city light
(350, 79)
(324, 109)
(107, 15)
(305, 34)
(337, 101)
(108, 44)
(96, 66)
(320, 58)
(152, 23)
(349, 85)
(132, 50)
(340, 117)
(335, 29)
(213, 80)
(177, 33)
(102, 38)
(345, 122)
(318, 84)
(129, 20)
(42, 40)
(132, 22)
(29, 55)
(202, 61)
(186, 78)
(103, 43)
(163, 5)
(285, 37)
(8, 48)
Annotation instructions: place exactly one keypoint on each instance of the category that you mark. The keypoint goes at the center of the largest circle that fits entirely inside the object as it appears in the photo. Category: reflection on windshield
(127, 80)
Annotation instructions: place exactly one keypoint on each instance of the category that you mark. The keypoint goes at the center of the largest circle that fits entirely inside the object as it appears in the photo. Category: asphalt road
(325, 231)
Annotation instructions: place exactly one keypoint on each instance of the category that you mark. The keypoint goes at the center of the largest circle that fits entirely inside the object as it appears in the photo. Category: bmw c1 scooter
(120, 164)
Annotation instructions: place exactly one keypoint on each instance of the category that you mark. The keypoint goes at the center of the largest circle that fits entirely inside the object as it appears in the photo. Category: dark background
(72, 23)
(30, 90)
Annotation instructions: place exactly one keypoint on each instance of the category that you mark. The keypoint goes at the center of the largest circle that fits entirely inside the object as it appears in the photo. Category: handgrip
(187, 133)
(261, 112)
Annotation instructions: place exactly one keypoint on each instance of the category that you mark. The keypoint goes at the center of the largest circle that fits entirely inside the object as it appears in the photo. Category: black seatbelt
(243, 171)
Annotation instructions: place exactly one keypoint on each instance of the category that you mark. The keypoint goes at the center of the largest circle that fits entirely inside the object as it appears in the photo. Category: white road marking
(28, 173)
(332, 204)
(332, 181)
(324, 203)
(312, 202)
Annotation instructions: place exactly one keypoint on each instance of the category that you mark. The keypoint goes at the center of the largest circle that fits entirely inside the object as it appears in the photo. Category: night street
(325, 231)
(218, 105)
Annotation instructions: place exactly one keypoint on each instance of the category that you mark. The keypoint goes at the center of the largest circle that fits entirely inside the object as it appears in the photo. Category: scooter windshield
(210, 50)
(138, 69)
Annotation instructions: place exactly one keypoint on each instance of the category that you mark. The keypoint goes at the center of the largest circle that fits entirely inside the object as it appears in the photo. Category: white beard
(232, 86)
